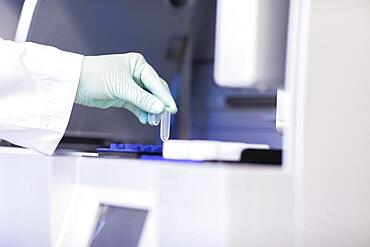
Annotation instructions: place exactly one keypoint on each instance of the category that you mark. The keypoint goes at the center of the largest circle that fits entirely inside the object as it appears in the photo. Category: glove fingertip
(154, 119)
(143, 118)
(171, 109)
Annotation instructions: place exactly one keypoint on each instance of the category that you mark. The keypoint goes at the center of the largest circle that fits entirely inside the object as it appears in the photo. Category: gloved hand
(127, 81)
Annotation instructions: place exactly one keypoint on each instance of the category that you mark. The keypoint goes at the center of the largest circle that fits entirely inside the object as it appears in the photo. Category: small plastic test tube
(165, 126)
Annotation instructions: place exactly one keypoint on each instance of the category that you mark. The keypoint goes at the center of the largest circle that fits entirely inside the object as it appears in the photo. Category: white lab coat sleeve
(38, 86)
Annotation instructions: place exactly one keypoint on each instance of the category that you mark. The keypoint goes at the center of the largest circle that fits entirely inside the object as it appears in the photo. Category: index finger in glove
(155, 85)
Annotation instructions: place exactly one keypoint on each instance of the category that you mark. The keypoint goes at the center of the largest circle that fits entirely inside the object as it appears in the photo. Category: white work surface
(205, 204)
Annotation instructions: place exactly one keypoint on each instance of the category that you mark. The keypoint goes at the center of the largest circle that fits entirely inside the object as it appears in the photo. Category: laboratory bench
(52, 200)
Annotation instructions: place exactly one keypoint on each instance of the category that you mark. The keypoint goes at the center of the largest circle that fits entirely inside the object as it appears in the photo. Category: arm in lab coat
(38, 86)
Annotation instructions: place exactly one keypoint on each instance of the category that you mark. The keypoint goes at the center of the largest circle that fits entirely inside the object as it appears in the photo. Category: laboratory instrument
(254, 55)
(130, 150)
(165, 126)
(317, 198)
(202, 150)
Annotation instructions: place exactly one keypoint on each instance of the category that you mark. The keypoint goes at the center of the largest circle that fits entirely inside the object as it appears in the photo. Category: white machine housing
(251, 43)
(320, 196)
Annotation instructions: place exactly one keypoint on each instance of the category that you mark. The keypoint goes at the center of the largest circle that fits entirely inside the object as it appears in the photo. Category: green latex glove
(124, 81)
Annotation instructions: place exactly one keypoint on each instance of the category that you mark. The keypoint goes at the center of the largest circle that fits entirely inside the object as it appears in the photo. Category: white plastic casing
(251, 43)
(200, 150)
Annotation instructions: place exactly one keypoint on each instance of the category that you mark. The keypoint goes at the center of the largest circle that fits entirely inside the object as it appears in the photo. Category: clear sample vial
(165, 126)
